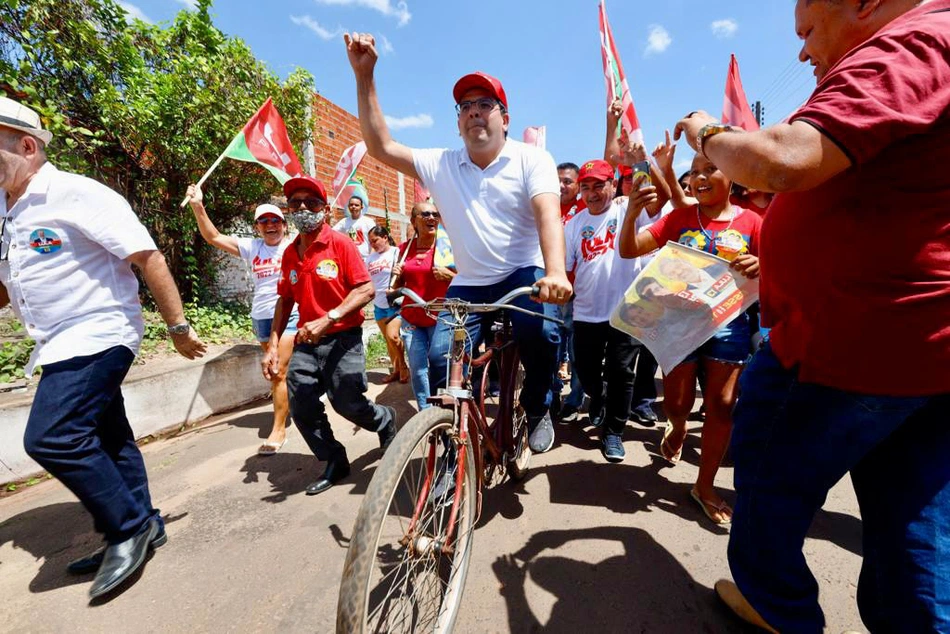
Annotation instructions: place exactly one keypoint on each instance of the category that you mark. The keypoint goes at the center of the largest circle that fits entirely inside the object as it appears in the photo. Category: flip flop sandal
(270, 448)
(666, 450)
(706, 505)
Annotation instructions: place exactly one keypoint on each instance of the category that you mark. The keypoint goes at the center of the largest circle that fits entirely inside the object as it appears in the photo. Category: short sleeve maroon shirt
(856, 272)
(331, 267)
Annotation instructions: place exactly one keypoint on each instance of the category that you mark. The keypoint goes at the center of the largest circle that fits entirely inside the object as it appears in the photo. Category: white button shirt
(65, 242)
(487, 213)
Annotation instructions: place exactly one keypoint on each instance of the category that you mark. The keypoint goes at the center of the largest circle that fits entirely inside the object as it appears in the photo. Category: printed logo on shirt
(694, 239)
(328, 269)
(293, 276)
(265, 267)
(592, 246)
(45, 241)
(730, 244)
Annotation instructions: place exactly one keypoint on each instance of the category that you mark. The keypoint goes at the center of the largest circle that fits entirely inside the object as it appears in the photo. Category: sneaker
(595, 418)
(568, 414)
(644, 415)
(612, 448)
(388, 432)
(540, 433)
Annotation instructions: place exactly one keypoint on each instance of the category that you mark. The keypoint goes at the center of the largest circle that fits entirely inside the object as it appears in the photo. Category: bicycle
(409, 576)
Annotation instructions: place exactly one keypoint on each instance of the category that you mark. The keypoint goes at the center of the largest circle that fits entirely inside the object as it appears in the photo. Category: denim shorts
(730, 344)
(262, 327)
(384, 313)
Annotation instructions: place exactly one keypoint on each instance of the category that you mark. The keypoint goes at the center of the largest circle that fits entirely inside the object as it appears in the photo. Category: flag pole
(208, 173)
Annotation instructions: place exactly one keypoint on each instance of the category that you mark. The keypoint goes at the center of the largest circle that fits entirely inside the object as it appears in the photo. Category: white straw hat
(19, 117)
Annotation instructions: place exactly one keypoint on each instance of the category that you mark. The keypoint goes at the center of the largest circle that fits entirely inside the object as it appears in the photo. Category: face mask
(307, 221)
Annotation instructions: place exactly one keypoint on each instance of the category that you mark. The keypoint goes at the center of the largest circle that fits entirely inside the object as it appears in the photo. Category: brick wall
(335, 129)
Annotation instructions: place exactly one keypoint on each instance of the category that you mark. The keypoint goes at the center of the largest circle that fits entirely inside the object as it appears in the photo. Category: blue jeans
(791, 442)
(78, 431)
(576, 397)
(416, 342)
(537, 338)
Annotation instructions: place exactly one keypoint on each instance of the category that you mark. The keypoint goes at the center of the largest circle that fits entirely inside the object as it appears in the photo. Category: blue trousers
(566, 350)
(537, 338)
(791, 443)
(78, 431)
(416, 342)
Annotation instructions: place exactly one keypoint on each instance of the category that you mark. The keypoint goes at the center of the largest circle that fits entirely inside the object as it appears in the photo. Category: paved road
(579, 546)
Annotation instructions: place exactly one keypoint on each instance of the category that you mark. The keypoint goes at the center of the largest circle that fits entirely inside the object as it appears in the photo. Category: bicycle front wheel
(403, 571)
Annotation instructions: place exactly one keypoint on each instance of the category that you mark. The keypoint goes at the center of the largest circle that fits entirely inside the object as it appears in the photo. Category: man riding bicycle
(489, 193)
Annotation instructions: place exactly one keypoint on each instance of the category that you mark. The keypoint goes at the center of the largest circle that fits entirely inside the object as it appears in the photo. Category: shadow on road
(57, 534)
(643, 590)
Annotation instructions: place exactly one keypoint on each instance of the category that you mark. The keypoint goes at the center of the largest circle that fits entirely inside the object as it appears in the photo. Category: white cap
(19, 117)
(268, 210)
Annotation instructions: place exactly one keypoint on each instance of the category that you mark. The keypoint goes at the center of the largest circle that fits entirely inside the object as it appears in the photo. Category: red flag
(616, 81)
(536, 135)
(421, 193)
(265, 137)
(735, 106)
(345, 169)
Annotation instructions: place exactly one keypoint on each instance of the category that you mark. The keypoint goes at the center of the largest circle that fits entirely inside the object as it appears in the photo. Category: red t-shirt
(571, 209)
(725, 238)
(332, 267)
(417, 276)
(856, 272)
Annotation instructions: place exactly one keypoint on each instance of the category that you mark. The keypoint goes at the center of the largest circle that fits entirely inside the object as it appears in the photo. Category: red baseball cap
(478, 79)
(304, 182)
(597, 170)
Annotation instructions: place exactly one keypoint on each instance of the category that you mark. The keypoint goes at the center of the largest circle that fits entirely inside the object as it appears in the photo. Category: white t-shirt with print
(66, 240)
(487, 212)
(264, 262)
(380, 267)
(358, 230)
(600, 275)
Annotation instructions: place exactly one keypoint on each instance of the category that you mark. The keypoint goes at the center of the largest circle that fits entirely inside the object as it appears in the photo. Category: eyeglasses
(270, 220)
(427, 214)
(484, 105)
(311, 203)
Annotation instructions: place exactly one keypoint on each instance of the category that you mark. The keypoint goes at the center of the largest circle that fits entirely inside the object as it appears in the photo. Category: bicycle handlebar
(460, 306)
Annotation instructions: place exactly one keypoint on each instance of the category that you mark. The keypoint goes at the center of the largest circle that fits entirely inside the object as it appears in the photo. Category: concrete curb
(170, 394)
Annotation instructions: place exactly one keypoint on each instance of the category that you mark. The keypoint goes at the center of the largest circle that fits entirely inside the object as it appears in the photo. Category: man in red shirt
(855, 267)
(323, 273)
(571, 204)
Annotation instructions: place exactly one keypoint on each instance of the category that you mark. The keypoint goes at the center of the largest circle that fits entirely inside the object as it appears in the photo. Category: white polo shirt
(358, 230)
(66, 273)
(487, 213)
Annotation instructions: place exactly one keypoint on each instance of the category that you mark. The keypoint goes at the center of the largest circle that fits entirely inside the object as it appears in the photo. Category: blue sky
(547, 55)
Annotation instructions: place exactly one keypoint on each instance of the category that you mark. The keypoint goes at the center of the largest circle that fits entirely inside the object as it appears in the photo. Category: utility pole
(760, 113)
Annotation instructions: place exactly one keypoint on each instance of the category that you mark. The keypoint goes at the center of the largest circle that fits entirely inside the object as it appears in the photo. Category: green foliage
(13, 358)
(216, 323)
(147, 108)
(376, 350)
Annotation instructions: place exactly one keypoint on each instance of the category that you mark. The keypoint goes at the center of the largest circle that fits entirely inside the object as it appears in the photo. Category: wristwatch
(709, 130)
(179, 329)
(334, 315)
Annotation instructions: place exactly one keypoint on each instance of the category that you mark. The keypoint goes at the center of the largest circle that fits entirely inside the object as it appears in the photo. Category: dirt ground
(580, 545)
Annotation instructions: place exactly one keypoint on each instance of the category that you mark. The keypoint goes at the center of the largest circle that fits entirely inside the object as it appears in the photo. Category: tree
(147, 108)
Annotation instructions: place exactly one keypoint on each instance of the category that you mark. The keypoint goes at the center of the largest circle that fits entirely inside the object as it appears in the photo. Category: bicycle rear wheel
(401, 580)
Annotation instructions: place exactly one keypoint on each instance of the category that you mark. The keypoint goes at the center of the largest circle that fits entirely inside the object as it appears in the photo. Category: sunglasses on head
(311, 203)
(428, 214)
(269, 220)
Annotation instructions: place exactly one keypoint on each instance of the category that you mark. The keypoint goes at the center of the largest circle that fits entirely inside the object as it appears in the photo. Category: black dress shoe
(120, 560)
(387, 433)
(335, 472)
(90, 563)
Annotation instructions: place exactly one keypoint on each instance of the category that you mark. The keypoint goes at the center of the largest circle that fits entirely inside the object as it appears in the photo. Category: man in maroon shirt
(323, 273)
(855, 268)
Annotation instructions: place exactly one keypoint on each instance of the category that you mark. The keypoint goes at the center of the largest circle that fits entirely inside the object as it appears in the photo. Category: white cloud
(682, 164)
(658, 40)
(191, 5)
(322, 32)
(724, 28)
(385, 45)
(134, 12)
(412, 121)
(398, 10)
